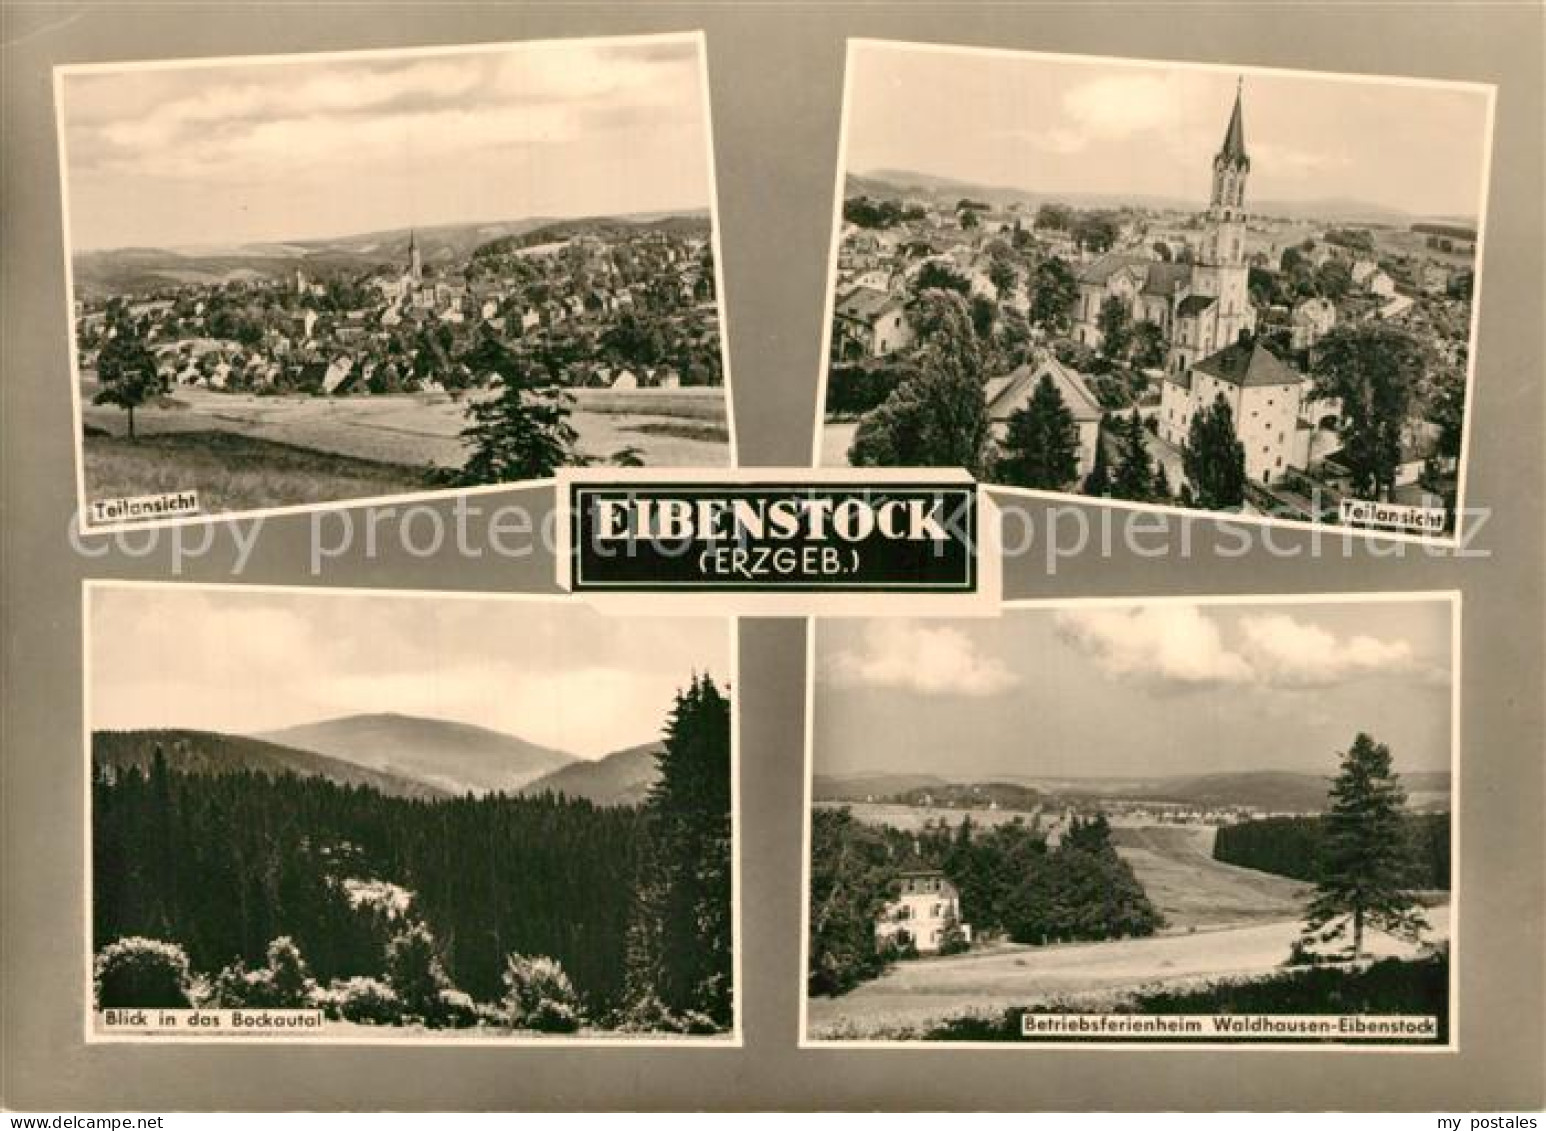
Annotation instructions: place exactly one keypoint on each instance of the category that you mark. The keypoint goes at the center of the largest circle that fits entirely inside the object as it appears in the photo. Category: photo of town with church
(300, 280)
(1247, 292)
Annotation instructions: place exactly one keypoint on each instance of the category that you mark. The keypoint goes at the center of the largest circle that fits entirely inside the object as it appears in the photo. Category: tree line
(1011, 884)
(1291, 846)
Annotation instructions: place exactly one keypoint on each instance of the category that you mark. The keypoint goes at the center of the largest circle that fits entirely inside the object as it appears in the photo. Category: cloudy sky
(1128, 690)
(553, 673)
(1052, 126)
(241, 152)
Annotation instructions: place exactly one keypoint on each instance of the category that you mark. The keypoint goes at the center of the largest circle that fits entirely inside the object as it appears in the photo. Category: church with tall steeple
(1202, 306)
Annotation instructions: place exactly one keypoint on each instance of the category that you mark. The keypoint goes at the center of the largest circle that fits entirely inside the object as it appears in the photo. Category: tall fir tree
(1134, 476)
(520, 434)
(679, 947)
(1041, 448)
(1365, 861)
(1214, 458)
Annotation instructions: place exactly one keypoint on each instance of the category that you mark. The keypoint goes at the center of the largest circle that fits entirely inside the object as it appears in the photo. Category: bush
(289, 977)
(285, 982)
(365, 1001)
(457, 1010)
(539, 995)
(952, 939)
(138, 971)
(649, 1015)
(415, 973)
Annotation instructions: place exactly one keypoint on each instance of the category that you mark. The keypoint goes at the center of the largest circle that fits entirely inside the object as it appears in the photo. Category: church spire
(1233, 149)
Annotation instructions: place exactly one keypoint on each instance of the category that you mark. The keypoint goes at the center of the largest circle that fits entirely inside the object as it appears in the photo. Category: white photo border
(1450, 1047)
(1489, 90)
(62, 71)
(734, 1039)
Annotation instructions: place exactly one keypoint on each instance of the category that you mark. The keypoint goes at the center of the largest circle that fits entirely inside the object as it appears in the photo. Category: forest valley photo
(496, 913)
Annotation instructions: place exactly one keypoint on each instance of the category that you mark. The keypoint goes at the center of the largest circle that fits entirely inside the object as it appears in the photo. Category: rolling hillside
(209, 752)
(623, 778)
(896, 184)
(870, 787)
(142, 270)
(1273, 791)
(450, 757)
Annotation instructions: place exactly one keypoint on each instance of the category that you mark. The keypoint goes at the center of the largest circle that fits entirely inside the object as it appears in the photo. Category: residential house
(926, 906)
(1007, 395)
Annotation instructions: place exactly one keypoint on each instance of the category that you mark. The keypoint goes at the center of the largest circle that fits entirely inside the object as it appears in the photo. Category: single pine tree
(1365, 860)
(1041, 448)
(1214, 458)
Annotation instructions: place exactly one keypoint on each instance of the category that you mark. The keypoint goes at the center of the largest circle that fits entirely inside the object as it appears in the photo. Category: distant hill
(601, 226)
(1277, 791)
(210, 752)
(451, 757)
(863, 787)
(622, 778)
(897, 184)
(141, 270)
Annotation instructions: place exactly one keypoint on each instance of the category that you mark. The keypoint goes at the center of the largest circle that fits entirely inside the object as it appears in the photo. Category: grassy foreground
(1391, 986)
(235, 473)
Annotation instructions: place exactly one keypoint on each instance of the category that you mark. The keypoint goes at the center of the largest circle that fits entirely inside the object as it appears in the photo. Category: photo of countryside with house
(361, 276)
(1142, 810)
(1248, 293)
(374, 812)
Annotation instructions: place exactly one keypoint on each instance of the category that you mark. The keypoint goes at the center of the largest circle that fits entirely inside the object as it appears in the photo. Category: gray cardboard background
(775, 73)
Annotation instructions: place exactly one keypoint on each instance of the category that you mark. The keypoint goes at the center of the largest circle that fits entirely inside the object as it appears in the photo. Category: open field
(921, 993)
(234, 473)
(244, 452)
(1175, 865)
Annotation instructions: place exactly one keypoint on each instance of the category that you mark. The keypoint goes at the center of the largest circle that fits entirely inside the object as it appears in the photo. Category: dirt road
(930, 990)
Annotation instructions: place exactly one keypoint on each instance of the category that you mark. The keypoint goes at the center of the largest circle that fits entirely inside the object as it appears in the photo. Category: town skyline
(1049, 125)
(1140, 690)
(296, 148)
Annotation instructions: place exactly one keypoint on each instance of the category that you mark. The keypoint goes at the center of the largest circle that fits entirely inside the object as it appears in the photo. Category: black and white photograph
(1221, 821)
(1243, 291)
(362, 817)
(310, 279)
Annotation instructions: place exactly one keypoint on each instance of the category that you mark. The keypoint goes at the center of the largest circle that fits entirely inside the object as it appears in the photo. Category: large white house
(1263, 393)
(927, 904)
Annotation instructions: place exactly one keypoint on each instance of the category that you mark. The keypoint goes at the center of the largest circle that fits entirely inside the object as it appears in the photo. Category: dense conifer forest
(632, 903)
(1010, 882)
(1290, 846)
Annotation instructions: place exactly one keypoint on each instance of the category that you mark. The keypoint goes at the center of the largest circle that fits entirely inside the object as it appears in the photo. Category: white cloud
(1286, 652)
(1183, 645)
(1175, 643)
(929, 660)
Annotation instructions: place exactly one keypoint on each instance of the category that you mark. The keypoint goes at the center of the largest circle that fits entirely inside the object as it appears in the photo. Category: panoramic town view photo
(302, 280)
(1147, 821)
(348, 816)
(1242, 292)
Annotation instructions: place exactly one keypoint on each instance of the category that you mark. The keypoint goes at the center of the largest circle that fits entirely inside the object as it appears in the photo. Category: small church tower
(415, 260)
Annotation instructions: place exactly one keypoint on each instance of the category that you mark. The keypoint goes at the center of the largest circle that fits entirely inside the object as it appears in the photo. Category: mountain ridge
(193, 751)
(452, 757)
